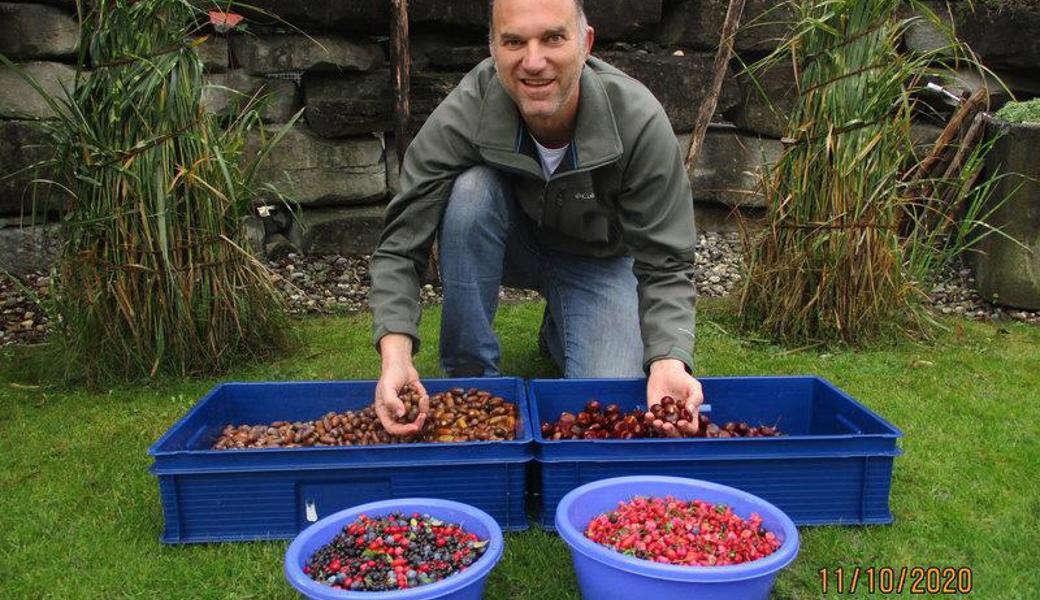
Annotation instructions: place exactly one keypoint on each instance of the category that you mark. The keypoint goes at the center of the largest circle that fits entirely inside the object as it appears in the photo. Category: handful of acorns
(456, 415)
(668, 419)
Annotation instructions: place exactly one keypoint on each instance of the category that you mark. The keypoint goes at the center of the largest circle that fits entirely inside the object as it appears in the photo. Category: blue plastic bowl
(604, 574)
(465, 585)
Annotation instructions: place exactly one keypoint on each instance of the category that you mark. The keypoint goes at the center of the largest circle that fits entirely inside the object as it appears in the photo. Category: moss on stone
(1021, 112)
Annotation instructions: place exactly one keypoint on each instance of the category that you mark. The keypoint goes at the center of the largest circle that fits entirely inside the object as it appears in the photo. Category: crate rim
(201, 470)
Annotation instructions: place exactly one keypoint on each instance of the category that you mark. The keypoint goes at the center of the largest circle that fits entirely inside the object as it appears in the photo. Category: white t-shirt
(551, 157)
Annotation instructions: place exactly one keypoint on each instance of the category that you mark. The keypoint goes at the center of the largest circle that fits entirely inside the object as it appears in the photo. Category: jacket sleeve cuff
(409, 329)
(659, 352)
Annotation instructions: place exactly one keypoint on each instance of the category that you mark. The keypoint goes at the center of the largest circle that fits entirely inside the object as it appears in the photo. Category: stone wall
(338, 161)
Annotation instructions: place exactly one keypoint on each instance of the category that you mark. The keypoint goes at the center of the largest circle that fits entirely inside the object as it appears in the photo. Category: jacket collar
(596, 138)
(527, 148)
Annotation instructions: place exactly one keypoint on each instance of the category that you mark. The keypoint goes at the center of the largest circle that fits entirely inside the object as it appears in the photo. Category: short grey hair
(579, 5)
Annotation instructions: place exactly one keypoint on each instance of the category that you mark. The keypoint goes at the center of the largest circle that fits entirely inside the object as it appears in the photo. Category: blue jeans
(591, 324)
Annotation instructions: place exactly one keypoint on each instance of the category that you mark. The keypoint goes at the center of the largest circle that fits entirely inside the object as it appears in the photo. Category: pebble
(338, 284)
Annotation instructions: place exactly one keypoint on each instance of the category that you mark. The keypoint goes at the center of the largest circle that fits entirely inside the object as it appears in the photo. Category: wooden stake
(978, 101)
(401, 76)
(707, 108)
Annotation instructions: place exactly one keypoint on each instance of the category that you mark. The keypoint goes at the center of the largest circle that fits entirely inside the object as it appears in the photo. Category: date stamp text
(896, 580)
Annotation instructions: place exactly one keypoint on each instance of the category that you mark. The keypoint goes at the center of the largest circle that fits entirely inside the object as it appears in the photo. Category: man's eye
(555, 38)
(512, 43)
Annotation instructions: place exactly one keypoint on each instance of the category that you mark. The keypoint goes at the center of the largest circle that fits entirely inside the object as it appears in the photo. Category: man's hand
(398, 371)
(668, 377)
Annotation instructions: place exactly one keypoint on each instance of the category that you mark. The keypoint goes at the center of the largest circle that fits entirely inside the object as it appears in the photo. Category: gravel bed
(22, 320)
(338, 284)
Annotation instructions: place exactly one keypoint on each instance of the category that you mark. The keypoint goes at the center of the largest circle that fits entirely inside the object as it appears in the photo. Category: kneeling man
(550, 170)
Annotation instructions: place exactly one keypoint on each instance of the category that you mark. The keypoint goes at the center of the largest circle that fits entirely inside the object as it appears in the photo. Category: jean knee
(479, 199)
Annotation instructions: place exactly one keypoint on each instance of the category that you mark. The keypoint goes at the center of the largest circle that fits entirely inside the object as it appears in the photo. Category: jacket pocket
(575, 211)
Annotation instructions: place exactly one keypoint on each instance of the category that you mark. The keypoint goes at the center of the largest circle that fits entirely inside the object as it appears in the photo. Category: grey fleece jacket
(621, 190)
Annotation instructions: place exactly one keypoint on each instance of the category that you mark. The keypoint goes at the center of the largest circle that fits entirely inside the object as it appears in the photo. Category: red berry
(665, 530)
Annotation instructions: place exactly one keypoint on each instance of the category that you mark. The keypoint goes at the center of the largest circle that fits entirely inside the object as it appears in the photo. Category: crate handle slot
(312, 511)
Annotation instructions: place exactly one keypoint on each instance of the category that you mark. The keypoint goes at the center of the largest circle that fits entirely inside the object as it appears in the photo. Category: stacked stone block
(43, 39)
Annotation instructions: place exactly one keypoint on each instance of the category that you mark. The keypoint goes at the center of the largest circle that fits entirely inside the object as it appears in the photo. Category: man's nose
(534, 57)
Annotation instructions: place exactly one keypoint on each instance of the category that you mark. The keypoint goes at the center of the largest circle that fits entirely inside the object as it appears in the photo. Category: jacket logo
(584, 195)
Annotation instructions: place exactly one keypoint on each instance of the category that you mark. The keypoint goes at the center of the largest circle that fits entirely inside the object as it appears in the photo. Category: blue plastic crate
(273, 493)
(834, 466)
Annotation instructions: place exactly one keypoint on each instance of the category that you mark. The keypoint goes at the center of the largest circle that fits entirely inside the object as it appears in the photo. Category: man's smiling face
(539, 52)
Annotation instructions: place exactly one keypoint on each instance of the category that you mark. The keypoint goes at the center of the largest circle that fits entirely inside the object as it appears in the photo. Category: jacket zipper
(545, 187)
(541, 201)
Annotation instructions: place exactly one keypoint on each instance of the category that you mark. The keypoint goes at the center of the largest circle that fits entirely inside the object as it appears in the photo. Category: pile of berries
(457, 415)
(680, 532)
(668, 419)
(394, 552)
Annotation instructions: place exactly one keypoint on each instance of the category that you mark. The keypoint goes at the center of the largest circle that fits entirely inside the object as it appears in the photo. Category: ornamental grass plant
(848, 245)
(152, 277)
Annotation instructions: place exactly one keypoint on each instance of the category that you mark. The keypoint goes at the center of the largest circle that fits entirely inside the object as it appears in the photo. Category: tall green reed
(834, 261)
(152, 278)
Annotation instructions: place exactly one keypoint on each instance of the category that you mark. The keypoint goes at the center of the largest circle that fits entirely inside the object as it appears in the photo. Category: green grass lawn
(80, 515)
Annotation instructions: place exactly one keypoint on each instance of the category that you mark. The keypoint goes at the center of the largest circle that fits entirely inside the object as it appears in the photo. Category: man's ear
(590, 36)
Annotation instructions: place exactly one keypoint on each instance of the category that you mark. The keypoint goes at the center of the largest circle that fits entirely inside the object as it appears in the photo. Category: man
(550, 170)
